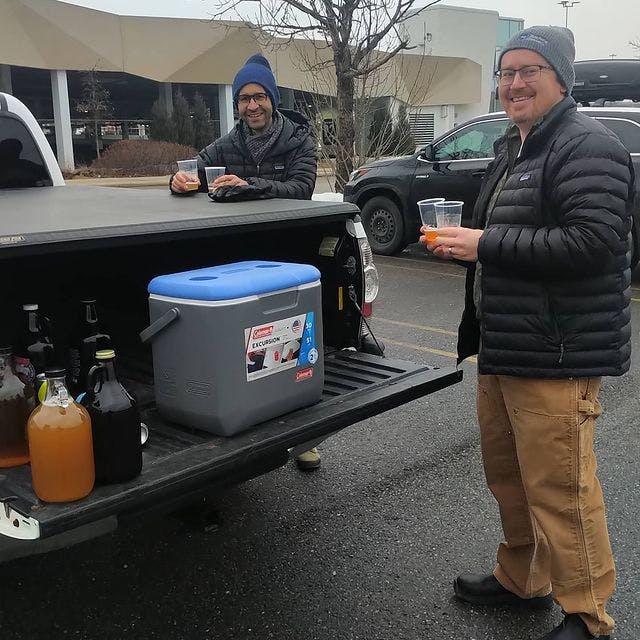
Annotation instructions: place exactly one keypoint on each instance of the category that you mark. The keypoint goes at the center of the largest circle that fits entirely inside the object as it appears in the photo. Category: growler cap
(105, 354)
(29, 307)
(55, 372)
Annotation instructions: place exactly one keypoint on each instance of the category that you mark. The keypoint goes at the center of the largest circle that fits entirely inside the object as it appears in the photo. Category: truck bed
(61, 243)
(176, 460)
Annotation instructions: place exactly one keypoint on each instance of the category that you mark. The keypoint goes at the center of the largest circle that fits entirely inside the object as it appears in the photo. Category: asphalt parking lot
(365, 548)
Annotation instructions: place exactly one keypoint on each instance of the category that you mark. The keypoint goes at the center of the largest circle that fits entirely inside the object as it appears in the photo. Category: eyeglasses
(258, 98)
(530, 73)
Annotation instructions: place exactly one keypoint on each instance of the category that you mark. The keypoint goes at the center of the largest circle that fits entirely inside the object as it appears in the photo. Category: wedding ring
(450, 251)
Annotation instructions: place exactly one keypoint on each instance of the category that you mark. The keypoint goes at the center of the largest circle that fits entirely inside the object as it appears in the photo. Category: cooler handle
(158, 325)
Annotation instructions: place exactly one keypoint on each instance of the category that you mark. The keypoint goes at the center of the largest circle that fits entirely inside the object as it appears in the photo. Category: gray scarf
(260, 143)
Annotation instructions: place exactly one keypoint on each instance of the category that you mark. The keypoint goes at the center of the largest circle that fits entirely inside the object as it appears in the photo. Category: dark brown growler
(87, 340)
(36, 352)
(115, 422)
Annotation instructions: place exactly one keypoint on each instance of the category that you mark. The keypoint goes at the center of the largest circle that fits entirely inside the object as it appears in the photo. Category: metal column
(225, 107)
(62, 119)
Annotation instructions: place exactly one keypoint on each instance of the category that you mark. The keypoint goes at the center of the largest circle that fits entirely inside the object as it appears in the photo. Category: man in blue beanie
(547, 310)
(268, 148)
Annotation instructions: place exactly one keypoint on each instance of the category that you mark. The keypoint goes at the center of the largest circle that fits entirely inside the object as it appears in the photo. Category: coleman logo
(304, 374)
(262, 332)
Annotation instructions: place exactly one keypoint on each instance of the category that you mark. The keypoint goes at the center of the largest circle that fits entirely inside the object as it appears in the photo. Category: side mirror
(427, 153)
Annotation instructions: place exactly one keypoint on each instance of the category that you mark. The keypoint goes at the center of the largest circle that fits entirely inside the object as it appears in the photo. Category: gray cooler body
(235, 345)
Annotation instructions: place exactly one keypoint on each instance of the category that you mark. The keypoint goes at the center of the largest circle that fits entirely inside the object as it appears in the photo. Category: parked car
(451, 167)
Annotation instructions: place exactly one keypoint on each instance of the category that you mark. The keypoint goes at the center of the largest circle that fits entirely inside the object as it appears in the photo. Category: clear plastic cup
(449, 213)
(190, 167)
(427, 211)
(212, 173)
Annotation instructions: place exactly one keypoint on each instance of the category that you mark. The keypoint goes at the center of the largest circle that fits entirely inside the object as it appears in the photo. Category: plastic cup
(212, 173)
(190, 167)
(427, 211)
(449, 213)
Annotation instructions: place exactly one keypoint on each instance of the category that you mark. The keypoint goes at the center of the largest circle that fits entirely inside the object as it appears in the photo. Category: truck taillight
(367, 309)
(371, 279)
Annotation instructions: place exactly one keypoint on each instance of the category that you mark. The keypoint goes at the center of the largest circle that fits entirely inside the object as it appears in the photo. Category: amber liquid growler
(17, 400)
(60, 444)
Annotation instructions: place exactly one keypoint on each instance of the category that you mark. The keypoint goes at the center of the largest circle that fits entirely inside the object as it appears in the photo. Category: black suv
(451, 167)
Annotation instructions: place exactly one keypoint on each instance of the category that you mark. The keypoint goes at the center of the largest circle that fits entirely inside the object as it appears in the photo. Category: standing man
(268, 148)
(547, 310)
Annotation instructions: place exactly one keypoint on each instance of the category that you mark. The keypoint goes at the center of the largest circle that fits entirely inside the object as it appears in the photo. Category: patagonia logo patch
(525, 176)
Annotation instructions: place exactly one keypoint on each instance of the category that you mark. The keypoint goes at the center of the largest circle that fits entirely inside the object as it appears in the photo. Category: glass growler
(115, 421)
(87, 339)
(60, 444)
(17, 400)
(36, 352)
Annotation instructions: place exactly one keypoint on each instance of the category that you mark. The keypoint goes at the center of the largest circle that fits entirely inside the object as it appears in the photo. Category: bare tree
(355, 37)
(636, 45)
(380, 119)
(94, 102)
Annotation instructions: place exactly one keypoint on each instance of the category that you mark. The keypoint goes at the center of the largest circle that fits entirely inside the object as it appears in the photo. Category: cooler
(236, 344)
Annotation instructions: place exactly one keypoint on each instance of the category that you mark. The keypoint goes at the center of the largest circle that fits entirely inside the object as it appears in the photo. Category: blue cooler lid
(236, 280)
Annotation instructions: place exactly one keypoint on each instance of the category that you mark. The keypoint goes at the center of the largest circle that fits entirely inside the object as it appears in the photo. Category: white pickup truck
(56, 240)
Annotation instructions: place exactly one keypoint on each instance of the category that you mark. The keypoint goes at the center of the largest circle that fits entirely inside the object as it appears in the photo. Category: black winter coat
(555, 255)
(288, 169)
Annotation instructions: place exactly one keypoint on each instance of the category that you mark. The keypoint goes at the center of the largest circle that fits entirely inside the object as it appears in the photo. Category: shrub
(141, 158)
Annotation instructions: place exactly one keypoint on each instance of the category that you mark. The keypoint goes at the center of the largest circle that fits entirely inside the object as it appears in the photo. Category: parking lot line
(439, 272)
(422, 327)
(415, 347)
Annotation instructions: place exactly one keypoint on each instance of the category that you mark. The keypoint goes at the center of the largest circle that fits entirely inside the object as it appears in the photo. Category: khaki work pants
(537, 448)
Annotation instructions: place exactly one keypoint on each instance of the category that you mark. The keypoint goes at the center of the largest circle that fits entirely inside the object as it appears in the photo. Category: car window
(21, 164)
(472, 142)
(626, 130)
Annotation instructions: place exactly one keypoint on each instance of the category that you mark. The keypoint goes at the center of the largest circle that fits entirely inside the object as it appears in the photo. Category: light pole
(567, 4)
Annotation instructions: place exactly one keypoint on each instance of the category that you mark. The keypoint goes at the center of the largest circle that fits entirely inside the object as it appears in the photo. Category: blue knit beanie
(257, 69)
(554, 44)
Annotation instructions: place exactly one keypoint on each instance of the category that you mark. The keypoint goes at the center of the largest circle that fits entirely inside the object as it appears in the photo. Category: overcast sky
(601, 28)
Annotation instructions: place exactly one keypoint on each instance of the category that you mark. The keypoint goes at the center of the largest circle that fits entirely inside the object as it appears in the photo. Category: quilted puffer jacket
(288, 169)
(555, 255)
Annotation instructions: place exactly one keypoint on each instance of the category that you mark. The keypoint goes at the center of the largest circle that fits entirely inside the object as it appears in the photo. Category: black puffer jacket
(555, 255)
(288, 169)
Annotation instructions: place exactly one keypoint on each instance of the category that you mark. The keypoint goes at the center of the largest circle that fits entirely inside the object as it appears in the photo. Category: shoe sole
(308, 466)
(505, 600)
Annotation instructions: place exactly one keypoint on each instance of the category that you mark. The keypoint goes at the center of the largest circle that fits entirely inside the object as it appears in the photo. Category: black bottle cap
(55, 372)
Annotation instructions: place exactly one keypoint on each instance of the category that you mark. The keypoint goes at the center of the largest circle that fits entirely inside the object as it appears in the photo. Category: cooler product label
(280, 345)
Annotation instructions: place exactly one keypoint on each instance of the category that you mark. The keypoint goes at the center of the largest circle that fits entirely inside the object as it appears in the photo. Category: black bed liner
(357, 386)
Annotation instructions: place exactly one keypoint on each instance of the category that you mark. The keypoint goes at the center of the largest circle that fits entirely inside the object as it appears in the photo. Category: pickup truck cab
(57, 240)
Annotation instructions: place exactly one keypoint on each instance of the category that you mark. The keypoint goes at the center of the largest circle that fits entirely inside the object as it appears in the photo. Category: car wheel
(384, 225)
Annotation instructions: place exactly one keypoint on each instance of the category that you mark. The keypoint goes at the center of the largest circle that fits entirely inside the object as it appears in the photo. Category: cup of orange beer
(427, 209)
(190, 167)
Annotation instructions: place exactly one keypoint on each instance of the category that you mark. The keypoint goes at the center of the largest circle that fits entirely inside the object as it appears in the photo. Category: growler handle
(94, 375)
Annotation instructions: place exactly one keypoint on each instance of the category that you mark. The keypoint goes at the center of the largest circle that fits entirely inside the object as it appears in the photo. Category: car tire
(384, 225)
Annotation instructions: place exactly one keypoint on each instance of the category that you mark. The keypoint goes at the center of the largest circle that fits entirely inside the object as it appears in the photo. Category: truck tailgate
(178, 461)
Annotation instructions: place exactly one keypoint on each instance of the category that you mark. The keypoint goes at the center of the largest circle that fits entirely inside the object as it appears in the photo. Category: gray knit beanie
(554, 44)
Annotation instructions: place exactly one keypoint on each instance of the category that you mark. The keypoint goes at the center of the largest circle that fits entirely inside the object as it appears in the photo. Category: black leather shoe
(478, 589)
(572, 628)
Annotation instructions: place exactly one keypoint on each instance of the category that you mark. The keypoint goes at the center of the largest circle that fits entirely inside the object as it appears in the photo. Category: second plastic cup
(190, 167)
(427, 209)
(212, 173)
(449, 213)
